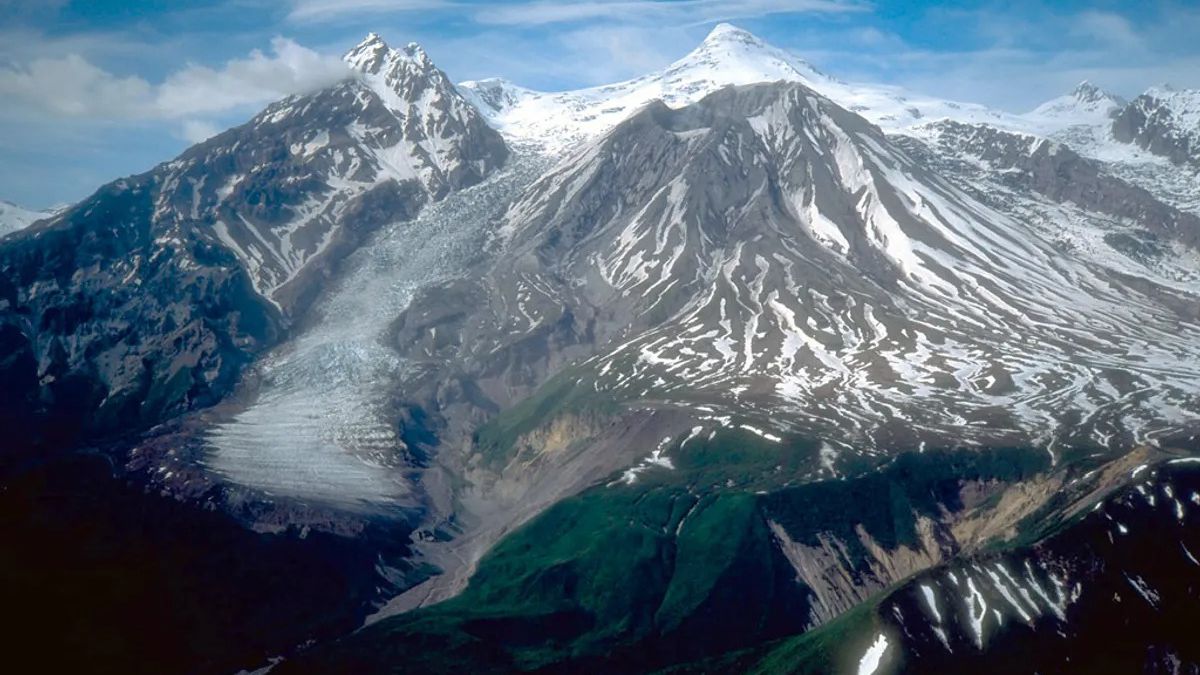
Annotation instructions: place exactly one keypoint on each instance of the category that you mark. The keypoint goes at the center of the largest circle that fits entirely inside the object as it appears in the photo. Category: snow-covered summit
(368, 56)
(1087, 104)
(14, 217)
(374, 60)
(731, 55)
(434, 116)
(727, 56)
(1087, 92)
(1164, 122)
(1183, 105)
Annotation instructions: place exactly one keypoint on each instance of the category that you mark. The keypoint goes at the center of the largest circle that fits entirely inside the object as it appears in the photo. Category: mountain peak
(726, 37)
(1086, 91)
(1163, 90)
(373, 56)
(416, 53)
(368, 55)
(727, 31)
(1086, 104)
(742, 57)
(15, 217)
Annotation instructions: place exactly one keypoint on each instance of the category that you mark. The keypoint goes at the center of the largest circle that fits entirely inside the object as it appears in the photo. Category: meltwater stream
(317, 429)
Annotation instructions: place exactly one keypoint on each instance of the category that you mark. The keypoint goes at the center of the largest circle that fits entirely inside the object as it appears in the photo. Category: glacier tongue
(318, 428)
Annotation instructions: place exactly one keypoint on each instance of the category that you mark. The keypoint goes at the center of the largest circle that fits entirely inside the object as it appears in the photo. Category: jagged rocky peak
(396, 69)
(222, 247)
(368, 56)
(412, 86)
(450, 141)
(1164, 121)
(1184, 103)
(416, 53)
(1086, 104)
(1086, 92)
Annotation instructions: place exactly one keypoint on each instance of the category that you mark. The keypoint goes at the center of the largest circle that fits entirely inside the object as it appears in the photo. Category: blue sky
(97, 89)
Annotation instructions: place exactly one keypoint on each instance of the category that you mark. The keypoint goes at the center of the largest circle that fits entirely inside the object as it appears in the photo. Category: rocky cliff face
(1165, 122)
(1054, 170)
(108, 327)
(1088, 599)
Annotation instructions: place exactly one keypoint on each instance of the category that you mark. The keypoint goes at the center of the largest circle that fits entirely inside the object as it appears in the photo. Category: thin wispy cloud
(259, 78)
(197, 131)
(540, 13)
(1107, 29)
(315, 10)
(678, 11)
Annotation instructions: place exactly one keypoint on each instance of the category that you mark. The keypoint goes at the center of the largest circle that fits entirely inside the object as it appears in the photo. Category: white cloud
(610, 53)
(71, 86)
(311, 10)
(198, 131)
(255, 80)
(1106, 28)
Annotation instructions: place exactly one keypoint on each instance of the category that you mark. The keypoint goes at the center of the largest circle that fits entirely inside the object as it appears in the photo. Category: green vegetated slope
(678, 567)
(831, 648)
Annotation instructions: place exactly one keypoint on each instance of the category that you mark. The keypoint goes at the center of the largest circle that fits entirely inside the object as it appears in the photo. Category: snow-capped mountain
(1145, 142)
(223, 247)
(765, 249)
(443, 142)
(1165, 122)
(384, 142)
(728, 56)
(1087, 104)
(783, 344)
(1087, 118)
(1096, 123)
(13, 217)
